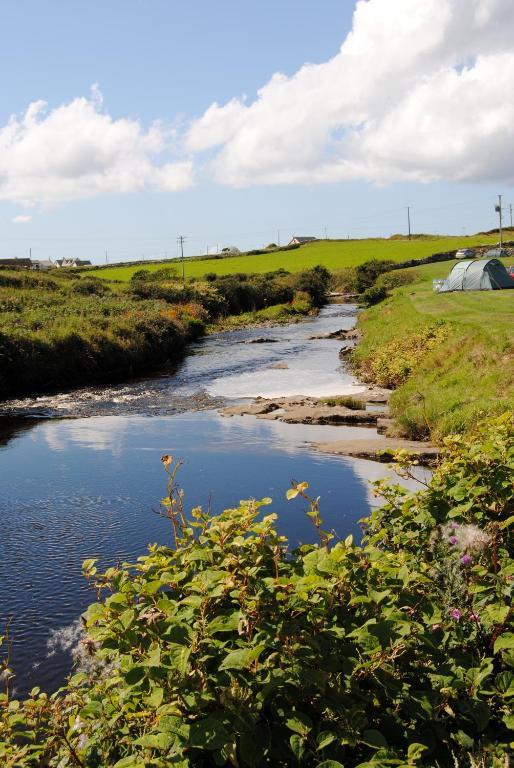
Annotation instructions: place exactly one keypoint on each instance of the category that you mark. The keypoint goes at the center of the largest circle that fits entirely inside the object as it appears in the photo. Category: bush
(367, 273)
(390, 280)
(90, 287)
(315, 282)
(374, 295)
(227, 649)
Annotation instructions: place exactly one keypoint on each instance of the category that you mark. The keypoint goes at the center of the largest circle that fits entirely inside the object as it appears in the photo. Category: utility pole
(498, 209)
(326, 237)
(181, 240)
(106, 259)
(510, 207)
(278, 237)
(408, 218)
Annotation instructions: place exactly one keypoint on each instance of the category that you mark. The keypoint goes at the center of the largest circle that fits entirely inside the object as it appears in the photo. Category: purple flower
(465, 560)
(474, 616)
(454, 525)
(455, 614)
(453, 540)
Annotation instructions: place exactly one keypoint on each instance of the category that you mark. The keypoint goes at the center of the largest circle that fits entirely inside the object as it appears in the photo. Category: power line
(181, 240)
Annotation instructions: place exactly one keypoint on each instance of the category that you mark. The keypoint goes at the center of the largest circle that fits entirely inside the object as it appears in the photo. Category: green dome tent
(478, 275)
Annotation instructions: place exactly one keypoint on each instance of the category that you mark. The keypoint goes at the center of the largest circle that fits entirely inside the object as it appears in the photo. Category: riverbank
(64, 330)
(448, 357)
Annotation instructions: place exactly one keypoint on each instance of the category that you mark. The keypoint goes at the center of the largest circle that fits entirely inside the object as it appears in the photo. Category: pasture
(333, 254)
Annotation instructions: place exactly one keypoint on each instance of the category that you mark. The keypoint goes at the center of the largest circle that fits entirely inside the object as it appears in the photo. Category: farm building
(478, 275)
(296, 240)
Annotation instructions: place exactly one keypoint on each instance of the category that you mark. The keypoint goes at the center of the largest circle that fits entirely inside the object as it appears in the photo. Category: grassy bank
(63, 329)
(450, 356)
(332, 254)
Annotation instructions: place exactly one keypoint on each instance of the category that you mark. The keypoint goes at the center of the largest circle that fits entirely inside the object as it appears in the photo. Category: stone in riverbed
(380, 450)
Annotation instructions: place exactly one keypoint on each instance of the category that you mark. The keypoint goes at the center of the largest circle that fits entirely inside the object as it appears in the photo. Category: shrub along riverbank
(226, 649)
(450, 357)
(67, 329)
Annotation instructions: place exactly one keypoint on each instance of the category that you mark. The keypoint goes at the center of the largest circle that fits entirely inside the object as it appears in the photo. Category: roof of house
(303, 239)
(16, 262)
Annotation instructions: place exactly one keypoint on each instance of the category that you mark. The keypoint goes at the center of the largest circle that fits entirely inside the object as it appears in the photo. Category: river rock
(380, 449)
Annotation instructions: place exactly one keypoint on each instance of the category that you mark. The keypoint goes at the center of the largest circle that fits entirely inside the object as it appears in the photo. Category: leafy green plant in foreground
(227, 649)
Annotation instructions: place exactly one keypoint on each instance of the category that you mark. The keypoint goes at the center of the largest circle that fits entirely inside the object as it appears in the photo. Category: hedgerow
(225, 648)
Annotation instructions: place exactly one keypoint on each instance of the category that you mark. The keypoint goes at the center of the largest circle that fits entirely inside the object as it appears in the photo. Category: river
(80, 473)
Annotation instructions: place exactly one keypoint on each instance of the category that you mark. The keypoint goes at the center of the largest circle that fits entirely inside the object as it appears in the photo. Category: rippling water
(73, 488)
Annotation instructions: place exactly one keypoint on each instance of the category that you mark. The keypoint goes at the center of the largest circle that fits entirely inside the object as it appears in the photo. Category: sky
(124, 124)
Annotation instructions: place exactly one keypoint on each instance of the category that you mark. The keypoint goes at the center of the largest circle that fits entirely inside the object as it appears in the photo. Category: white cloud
(420, 90)
(22, 219)
(78, 151)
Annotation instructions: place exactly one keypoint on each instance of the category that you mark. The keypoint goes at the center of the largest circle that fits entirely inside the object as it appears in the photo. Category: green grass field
(333, 254)
(451, 355)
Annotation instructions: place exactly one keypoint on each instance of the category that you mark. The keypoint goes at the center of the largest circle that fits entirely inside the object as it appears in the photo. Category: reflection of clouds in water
(100, 433)
(370, 471)
(288, 437)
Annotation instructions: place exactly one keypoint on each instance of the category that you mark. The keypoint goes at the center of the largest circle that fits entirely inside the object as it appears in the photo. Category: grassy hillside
(450, 356)
(333, 254)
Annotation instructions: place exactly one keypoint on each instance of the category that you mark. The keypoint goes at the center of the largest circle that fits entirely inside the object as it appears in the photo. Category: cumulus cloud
(420, 90)
(22, 219)
(77, 150)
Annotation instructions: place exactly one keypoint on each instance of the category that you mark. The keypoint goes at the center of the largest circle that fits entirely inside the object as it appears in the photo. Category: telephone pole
(408, 219)
(181, 240)
(510, 208)
(106, 259)
(498, 209)
(278, 237)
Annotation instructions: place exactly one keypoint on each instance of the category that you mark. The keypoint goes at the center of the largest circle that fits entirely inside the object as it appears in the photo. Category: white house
(297, 240)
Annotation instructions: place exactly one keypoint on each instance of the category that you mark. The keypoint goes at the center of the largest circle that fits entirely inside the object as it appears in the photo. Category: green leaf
(92, 709)
(132, 761)
(241, 658)
(416, 751)
(177, 656)
(330, 764)
(299, 723)
(208, 734)
(505, 641)
(326, 738)
(298, 746)
(224, 623)
(134, 675)
(373, 738)
(127, 617)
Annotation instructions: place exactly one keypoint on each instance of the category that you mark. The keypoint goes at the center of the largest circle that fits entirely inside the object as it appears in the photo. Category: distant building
(297, 240)
(25, 263)
(72, 263)
(230, 251)
(43, 265)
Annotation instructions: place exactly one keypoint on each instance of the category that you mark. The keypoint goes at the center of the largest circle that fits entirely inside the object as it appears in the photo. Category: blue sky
(168, 61)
